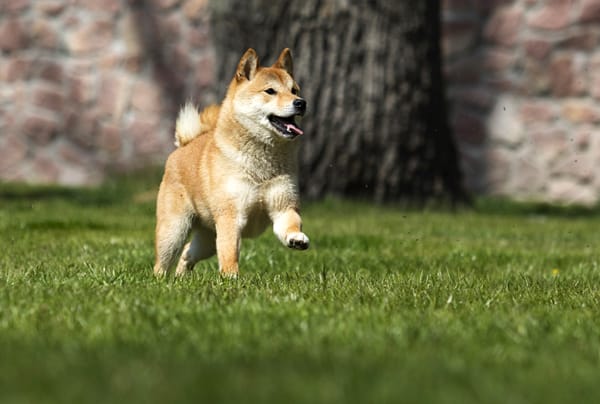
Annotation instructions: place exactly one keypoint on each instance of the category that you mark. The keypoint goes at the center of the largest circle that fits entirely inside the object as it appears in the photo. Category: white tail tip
(188, 125)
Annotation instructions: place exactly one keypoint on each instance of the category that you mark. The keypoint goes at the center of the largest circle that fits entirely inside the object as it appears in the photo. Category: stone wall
(524, 89)
(92, 86)
(88, 87)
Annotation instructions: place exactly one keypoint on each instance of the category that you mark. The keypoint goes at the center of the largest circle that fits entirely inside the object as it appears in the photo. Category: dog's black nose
(300, 105)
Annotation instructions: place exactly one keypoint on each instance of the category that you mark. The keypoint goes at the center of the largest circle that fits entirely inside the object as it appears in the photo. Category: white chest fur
(257, 203)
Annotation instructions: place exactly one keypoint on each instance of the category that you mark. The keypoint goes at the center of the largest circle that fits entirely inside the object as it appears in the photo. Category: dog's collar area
(286, 126)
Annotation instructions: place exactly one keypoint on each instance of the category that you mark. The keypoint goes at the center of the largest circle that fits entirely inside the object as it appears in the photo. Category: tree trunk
(376, 124)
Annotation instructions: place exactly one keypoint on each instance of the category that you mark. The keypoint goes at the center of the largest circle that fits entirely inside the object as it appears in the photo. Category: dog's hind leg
(173, 224)
(171, 234)
(200, 247)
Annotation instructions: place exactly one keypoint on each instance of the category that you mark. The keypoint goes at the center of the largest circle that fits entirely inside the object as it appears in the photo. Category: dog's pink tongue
(293, 128)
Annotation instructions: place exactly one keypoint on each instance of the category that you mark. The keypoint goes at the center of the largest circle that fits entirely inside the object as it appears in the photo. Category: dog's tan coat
(232, 173)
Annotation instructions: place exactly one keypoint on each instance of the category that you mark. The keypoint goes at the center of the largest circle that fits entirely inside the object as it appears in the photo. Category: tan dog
(235, 170)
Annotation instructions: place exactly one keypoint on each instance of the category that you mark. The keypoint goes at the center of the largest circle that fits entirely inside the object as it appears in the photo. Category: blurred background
(407, 100)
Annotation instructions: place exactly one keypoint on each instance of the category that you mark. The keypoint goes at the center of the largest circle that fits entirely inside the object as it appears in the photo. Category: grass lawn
(500, 304)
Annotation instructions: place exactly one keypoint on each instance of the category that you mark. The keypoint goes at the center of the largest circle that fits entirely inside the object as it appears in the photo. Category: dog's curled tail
(191, 124)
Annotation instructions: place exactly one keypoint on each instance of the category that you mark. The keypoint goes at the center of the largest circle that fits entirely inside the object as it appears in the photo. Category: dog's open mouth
(287, 126)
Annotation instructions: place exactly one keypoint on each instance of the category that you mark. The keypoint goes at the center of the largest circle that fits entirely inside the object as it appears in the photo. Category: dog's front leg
(228, 245)
(287, 226)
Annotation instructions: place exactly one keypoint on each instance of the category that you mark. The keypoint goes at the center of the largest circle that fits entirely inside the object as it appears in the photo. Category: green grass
(499, 304)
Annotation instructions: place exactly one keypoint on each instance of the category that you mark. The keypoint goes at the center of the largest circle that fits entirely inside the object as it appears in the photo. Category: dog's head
(266, 100)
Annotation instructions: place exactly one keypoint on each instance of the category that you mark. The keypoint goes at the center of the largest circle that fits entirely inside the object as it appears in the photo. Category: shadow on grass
(142, 187)
(336, 206)
(119, 189)
(506, 207)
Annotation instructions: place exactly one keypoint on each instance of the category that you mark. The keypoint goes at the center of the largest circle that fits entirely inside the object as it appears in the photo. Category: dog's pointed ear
(247, 66)
(285, 61)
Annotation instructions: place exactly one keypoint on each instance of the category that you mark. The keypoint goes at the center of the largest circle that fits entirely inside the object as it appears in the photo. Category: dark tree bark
(371, 72)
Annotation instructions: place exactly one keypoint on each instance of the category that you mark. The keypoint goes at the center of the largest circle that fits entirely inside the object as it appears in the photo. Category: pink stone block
(114, 95)
(82, 89)
(195, 9)
(538, 112)
(204, 71)
(81, 126)
(590, 11)
(49, 98)
(13, 35)
(44, 35)
(549, 144)
(199, 37)
(13, 151)
(595, 86)
(146, 136)
(567, 76)
(553, 15)
(90, 37)
(104, 6)
(40, 128)
(503, 26)
(537, 48)
(529, 177)
(44, 169)
(582, 40)
(569, 190)
(579, 111)
(14, 6)
(146, 96)
(72, 154)
(50, 7)
(50, 71)
(165, 4)
(15, 69)
(109, 138)
(537, 77)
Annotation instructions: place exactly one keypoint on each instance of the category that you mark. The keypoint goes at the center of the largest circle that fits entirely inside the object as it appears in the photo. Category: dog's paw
(160, 272)
(228, 274)
(229, 271)
(298, 241)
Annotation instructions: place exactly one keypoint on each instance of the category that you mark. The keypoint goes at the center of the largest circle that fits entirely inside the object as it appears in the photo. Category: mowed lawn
(497, 304)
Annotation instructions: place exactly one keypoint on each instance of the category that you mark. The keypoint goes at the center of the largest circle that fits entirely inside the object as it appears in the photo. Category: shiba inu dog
(234, 171)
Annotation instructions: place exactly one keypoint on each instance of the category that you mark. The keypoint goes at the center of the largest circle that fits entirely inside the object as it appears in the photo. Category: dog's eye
(295, 91)
(270, 91)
